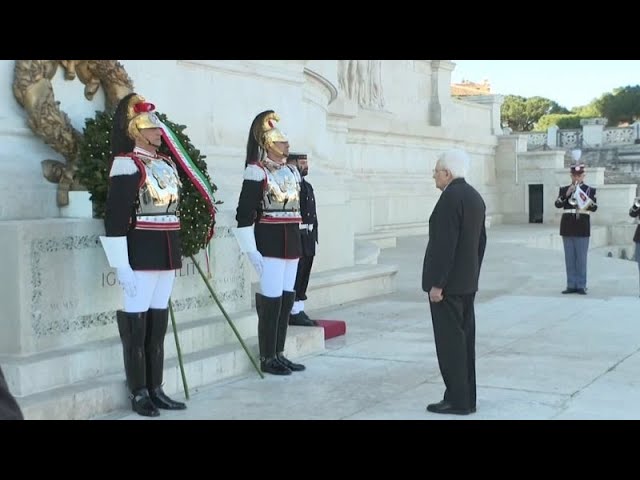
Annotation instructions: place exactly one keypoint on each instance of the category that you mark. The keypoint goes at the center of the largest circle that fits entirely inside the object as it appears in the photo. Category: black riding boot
(132, 328)
(157, 321)
(287, 303)
(268, 309)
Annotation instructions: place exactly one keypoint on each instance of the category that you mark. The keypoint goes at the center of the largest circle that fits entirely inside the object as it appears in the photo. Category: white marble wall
(217, 99)
(614, 202)
(371, 166)
(516, 169)
(391, 151)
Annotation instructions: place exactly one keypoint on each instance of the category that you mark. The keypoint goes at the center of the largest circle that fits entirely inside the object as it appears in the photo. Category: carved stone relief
(361, 81)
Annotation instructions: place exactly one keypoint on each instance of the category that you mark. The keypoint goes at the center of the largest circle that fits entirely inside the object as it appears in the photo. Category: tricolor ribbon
(197, 177)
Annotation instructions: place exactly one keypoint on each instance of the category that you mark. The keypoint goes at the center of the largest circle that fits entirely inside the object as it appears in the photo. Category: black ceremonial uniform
(308, 238)
(634, 212)
(153, 237)
(277, 237)
(309, 215)
(572, 225)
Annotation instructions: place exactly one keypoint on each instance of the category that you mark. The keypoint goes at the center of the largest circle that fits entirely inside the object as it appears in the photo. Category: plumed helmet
(265, 131)
(140, 115)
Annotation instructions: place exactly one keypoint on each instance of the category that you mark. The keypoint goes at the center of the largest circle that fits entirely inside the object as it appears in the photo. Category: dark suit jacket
(457, 239)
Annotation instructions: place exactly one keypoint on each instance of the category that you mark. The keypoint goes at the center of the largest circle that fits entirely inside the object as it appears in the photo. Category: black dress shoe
(581, 291)
(160, 400)
(570, 290)
(447, 408)
(299, 320)
(306, 317)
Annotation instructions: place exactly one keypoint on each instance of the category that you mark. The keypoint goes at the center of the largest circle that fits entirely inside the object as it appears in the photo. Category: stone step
(45, 371)
(404, 229)
(366, 253)
(50, 370)
(350, 284)
(629, 157)
(621, 252)
(69, 382)
(342, 285)
(101, 395)
(385, 236)
(380, 240)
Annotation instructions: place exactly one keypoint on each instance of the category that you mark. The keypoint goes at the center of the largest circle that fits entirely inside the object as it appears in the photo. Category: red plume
(144, 107)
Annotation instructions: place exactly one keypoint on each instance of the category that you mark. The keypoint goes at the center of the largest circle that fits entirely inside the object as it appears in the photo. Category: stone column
(435, 110)
(592, 131)
(552, 136)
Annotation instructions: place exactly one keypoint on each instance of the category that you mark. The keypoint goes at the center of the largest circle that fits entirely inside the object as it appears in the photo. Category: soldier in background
(308, 238)
(578, 201)
(634, 212)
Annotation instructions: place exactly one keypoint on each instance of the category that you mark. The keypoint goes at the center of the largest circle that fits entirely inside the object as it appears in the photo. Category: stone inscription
(109, 278)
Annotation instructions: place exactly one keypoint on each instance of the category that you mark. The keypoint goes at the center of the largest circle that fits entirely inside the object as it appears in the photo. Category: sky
(570, 83)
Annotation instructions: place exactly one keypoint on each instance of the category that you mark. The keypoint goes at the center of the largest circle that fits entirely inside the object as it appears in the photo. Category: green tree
(622, 105)
(560, 120)
(592, 110)
(521, 114)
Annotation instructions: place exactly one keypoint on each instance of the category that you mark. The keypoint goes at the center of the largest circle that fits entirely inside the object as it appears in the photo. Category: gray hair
(457, 161)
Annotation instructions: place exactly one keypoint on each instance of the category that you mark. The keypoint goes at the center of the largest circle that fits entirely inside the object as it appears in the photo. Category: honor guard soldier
(142, 243)
(268, 231)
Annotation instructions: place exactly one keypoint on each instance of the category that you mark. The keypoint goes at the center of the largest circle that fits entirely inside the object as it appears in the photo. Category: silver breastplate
(281, 197)
(160, 193)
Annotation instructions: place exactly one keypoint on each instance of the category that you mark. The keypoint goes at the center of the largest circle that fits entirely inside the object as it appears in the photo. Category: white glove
(247, 242)
(116, 250)
(256, 260)
(127, 279)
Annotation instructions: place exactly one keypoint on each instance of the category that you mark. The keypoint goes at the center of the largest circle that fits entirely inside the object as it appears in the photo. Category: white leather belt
(575, 210)
(306, 226)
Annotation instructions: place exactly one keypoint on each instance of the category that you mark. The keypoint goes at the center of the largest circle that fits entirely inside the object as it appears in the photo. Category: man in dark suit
(9, 409)
(457, 239)
(308, 238)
